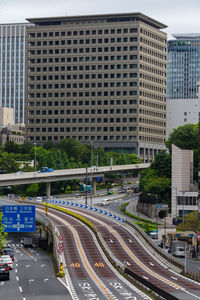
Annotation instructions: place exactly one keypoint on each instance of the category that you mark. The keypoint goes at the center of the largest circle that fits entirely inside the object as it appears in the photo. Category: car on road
(6, 259)
(104, 202)
(4, 271)
(38, 199)
(8, 251)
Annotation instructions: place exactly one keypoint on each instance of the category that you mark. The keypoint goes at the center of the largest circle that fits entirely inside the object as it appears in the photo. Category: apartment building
(99, 78)
(12, 68)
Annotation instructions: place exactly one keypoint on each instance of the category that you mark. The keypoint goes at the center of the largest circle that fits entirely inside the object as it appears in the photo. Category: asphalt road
(88, 272)
(32, 276)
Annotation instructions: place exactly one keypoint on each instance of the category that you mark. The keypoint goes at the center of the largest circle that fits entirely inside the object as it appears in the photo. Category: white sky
(181, 16)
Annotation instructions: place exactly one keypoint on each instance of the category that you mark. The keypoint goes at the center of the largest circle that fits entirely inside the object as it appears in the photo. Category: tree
(190, 222)
(11, 147)
(3, 234)
(32, 190)
(7, 163)
(184, 137)
(162, 164)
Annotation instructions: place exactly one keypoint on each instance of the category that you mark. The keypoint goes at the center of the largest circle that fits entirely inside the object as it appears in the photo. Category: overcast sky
(181, 16)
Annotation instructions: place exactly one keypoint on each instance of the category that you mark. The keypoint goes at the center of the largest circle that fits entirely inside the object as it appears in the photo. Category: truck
(83, 188)
(178, 249)
(27, 241)
(46, 169)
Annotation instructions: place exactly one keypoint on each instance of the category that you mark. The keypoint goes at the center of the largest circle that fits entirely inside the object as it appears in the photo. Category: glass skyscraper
(183, 66)
(12, 68)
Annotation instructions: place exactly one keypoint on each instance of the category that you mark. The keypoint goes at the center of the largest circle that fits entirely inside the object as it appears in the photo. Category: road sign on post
(18, 218)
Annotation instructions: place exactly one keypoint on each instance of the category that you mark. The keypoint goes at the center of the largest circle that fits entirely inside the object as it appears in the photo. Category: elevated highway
(67, 174)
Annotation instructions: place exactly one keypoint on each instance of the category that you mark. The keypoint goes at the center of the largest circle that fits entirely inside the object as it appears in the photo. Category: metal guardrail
(166, 258)
(153, 287)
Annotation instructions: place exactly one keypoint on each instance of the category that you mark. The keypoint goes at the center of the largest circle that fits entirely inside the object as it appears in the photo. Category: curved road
(126, 247)
(89, 273)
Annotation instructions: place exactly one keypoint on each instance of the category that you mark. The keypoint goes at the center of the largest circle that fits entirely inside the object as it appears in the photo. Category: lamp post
(91, 143)
(35, 157)
(97, 157)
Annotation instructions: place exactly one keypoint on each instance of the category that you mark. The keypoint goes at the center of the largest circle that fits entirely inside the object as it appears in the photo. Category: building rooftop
(186, 36)
(107, 18)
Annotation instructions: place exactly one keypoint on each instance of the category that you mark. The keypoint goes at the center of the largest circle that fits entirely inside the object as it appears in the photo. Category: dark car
(4, 271)
(8, 251)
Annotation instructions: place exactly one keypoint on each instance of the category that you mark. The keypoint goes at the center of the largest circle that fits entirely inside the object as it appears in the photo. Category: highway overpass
(67, 174)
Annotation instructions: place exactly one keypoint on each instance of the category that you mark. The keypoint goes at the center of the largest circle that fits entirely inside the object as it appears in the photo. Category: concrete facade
(184, 193)
(99, 78)
(6, 116)
(181, 112)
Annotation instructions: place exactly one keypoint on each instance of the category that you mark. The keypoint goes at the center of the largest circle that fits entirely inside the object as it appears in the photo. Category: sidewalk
(132, 208)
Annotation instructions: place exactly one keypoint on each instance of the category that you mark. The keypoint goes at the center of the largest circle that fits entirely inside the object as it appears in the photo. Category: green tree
(7, 163)
(162, 164)
(190, 222)
(3, 234)
(32, 190)
(11, 147)
(184, 137)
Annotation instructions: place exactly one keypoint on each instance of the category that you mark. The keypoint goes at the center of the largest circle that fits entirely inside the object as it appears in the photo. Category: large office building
(12, 68)
(99, 78)
(183, 73)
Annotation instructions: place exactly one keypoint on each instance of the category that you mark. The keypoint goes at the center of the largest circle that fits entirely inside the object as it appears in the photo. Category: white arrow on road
(43, 266)
(111, 241)
(130, 241)
(27, 266)
(45, 279)
(151, 264)
(31, 280)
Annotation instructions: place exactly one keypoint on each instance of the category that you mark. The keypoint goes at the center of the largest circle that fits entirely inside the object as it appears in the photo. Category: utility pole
(86, 186)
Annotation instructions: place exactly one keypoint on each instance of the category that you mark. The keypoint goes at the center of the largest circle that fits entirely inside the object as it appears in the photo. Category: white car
(104, 202)
(39, 199)
(6, 259)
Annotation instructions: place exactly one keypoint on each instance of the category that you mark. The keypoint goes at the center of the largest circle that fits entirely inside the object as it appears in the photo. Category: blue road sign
(19, 218)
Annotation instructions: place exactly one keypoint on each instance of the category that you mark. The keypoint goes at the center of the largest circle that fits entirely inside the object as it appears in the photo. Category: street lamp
(97, 157)
(91, 143)
(35, 157)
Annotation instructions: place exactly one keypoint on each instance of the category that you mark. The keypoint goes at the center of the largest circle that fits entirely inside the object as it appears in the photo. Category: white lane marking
(128, 264)
(46, 279)
(17, 278)
(31, 280)
(2, 283)
(111, 241)
(23, 298)
(174, 278)
(151, 264)
(20, 288)
(43, 266)
(16, 265)
(27, 266)
(145, 277)
(16, 271)
(130, 241)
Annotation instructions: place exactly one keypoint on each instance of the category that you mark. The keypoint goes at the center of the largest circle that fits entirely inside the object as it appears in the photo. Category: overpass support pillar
(94, 189)
(124, 181)
(48, 190)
